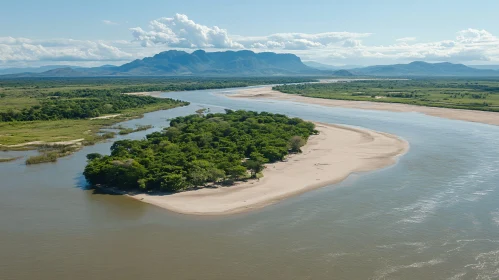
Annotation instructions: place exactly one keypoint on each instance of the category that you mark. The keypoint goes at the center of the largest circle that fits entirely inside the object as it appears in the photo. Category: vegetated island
(213, 164)
(467, 100)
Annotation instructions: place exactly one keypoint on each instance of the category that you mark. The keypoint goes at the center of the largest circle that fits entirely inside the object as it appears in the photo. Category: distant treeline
(197, 150)
(82, 104)
(131, 84)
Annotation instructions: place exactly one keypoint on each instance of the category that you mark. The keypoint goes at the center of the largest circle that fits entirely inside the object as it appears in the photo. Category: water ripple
(466, 187)
(382, 274)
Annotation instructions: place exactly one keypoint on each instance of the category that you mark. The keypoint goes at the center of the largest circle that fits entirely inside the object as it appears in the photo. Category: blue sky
(336, 32)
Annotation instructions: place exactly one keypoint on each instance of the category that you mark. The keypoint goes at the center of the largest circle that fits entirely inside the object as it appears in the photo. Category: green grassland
(451, 93)
(12, 133)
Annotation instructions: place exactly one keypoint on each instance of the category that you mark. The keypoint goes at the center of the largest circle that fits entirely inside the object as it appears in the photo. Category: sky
(336, 32)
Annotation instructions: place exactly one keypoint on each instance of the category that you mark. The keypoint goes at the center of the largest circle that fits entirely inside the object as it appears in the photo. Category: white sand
(456, 114)
(326, 159)
(39, 143)
(145, 93)
(106, 117)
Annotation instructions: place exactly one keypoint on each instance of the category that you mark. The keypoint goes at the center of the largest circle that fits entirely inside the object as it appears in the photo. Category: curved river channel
(433, 215)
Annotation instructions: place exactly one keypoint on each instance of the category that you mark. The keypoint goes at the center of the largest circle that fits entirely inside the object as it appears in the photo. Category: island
(229, 163)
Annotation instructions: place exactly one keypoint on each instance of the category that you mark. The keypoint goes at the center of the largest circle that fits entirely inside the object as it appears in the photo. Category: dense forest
(197, 150)
(82, 104)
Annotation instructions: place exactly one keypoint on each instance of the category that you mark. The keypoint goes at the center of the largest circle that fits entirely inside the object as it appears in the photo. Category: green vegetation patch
(199, 150)
(82, 104)
(451, 93)
(128, 130)
(10, 159)
(50, 153)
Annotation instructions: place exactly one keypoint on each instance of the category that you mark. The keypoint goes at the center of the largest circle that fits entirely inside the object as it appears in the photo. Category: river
(433, 215)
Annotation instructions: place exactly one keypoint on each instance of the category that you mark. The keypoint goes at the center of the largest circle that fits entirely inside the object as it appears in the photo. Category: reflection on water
(434, 215)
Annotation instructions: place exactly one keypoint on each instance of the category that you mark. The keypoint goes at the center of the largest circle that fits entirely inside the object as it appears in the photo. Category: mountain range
(322, 66)
(421, 68)
(198, 63)
(246, 63)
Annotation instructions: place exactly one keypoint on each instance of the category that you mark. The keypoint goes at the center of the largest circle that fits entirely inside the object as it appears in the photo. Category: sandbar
(456, 114)
(327, 158)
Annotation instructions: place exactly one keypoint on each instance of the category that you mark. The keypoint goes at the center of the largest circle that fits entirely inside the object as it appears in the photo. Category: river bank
(327, 158)
(456, 114)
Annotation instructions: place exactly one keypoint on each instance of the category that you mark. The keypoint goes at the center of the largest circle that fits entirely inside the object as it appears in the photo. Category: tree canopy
(197, 150)
(82, 104)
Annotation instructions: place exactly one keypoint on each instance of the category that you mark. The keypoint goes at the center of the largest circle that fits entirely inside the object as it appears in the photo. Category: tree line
(197, 150)
(82, 104)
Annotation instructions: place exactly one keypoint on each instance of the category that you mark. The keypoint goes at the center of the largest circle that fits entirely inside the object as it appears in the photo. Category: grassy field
(13, 133)
(451, 93)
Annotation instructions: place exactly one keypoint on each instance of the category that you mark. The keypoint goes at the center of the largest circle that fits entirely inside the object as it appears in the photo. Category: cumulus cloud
(475, 36)
(22, 49)
(468, 46)
(181, 32)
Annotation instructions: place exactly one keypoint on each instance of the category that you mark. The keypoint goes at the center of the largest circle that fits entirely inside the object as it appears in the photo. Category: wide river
(433, 215)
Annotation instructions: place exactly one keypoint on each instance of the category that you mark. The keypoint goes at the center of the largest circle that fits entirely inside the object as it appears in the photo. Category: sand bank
(106, 117)
(326, 159)
(146, 93)
(456, 114)
(40, 143)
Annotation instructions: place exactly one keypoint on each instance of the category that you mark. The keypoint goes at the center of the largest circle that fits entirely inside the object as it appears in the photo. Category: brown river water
(433, 215)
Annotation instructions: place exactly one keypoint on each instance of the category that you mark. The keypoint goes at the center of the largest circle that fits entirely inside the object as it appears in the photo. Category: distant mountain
(342, 73)
(200, 63)
(490, 67)
(322, 66)
(420, 68)
(5, 71)
(248, 63)
(216, 63)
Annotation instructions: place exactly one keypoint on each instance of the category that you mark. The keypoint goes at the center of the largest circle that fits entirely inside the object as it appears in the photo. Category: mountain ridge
(200, 63)
(249, 63)
(421, 68)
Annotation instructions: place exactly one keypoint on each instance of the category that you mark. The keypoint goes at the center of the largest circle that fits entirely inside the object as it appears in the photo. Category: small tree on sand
(254, 167)
(295, 144)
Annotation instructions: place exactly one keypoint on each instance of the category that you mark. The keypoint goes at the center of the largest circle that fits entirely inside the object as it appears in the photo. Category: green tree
(254, 166)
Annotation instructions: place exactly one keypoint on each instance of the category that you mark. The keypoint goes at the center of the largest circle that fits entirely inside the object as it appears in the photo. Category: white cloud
(22, 49)
(350, 43)
(181, 32)
(475, 36)
(109, 22)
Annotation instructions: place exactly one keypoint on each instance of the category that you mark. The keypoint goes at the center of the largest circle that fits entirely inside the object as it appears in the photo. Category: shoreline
(145, 93)
(327, 158)
(485, 117)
